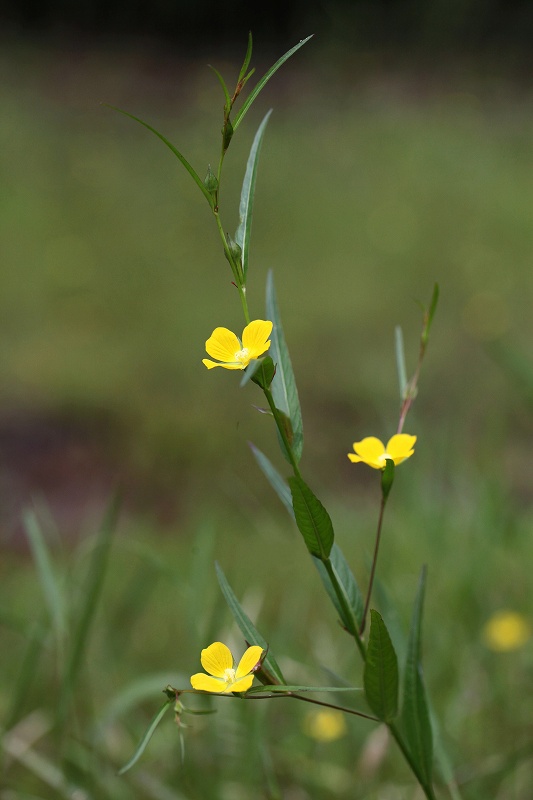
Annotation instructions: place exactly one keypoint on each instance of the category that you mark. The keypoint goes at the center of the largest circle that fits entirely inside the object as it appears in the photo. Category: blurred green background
(384, 170)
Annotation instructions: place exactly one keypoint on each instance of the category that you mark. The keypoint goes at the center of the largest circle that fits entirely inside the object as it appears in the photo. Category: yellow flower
(218, 661)
(326, 725)
(234, 353)
(506, 630)
(373, 452)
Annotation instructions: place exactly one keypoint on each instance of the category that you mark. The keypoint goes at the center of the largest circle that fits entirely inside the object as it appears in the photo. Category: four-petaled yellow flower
(218, 661)
(373, 452)
(234, 353)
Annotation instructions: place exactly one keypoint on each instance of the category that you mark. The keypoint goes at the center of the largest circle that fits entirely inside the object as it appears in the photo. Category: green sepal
(270, 672)
(211, 181)
(380, 677)
(227, 134)
(312, 519)
(260, 371)
(415, 718)
(387, 478)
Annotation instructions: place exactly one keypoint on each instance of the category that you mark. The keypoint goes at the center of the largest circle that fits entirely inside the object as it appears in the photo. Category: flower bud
(211, 181)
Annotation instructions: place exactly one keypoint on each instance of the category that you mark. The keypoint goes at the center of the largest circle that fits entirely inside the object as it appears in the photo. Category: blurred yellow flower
(506, 630)
(224, 345)
(373, 452)
(218, 661)
(326, 725)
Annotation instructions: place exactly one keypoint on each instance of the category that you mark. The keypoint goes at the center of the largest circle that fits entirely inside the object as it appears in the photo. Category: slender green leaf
(147, 736)
(264, 80)
(247, 628)
(224, 87)
(430, 314)
(87, 610)
(277, 688)
(199, 182)
(27, 674)
(283, 388)
(278, 483)
(380, 676)
(400, 361)
(247, 58)
(415, 713)
(243, 232)
(52, 590)
(348, 584)
(312, 519)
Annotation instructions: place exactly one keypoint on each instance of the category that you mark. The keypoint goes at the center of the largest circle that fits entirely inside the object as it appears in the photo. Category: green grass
(112, 280)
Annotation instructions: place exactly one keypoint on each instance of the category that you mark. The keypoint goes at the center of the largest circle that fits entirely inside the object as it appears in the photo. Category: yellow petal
(210, 364)
(254, 337)
(204, 683)
(369, 450)
(216, 659)
(400, 447)
(506, 631)
(223, 344)
(242, 685)
(248, 661)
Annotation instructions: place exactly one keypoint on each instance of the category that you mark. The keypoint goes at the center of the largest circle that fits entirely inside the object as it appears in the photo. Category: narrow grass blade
(194, 175)
(415, 711)
(243, 233)
(277, 689)
(27, 672)
(50, 583)
(400, 361)
(350, 589)
(147, 736)
(283, 387)
(247, 58)
(264, 80)
(312, 519)
(430, 313)
(224, 87)
(274, 478)
(381, 671)
(247, 628)
(86, 612)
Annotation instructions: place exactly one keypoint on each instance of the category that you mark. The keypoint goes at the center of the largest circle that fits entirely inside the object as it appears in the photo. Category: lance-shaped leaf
(143, 744)
(278, 483)
(415, 714)
(314, 522)
(264, 80)
(280, 689)
(381, 671)
(283, 387)
(192, 172)
(247, 628)
(351, 612)
(243, 233)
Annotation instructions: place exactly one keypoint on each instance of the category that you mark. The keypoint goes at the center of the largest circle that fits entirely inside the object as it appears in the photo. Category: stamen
(242, 355)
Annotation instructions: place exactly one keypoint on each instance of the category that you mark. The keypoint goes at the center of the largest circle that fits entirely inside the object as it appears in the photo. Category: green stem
(374, 563)
(282, 432)
(427, 788)
(345, 607)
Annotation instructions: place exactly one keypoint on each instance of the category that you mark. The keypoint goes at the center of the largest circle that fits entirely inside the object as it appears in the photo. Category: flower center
(383, 458)
(229, 675)
(242, 355)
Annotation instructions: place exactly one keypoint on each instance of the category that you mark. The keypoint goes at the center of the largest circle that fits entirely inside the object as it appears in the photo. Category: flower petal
(210, 364)
(204, 683)
(369, 450)
(400, 447)
(254, 337)
(243, 685)
(248, 661)
(216, 659)
(223, 344)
